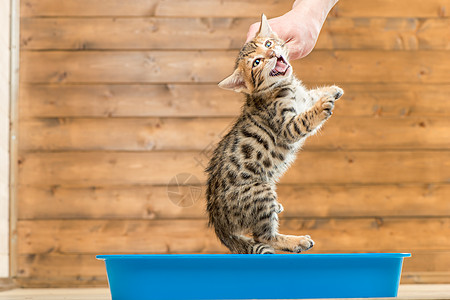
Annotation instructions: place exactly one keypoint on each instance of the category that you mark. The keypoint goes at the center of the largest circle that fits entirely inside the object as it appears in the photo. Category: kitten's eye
(256, 62)
(268, 44)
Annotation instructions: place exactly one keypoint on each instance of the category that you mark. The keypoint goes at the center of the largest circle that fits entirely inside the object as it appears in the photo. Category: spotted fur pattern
(278, 115)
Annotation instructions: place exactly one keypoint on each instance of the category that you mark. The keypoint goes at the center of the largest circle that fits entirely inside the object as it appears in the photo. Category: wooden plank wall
(5, 28)
(118, 97)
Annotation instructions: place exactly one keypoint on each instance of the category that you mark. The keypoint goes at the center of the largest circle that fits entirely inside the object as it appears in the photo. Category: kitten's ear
(264, 29)
(234, 82)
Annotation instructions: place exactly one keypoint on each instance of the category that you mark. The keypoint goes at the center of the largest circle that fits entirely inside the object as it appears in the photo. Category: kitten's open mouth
(281, 67)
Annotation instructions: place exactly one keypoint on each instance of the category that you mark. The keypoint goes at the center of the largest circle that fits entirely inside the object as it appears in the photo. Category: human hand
(301, 33)
(300, 27)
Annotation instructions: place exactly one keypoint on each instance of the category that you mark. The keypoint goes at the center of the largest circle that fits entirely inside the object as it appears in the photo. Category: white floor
(410, 291)
(56, 294)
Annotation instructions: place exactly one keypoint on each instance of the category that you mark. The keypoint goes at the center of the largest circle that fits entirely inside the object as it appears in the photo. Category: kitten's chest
(302, 101)
(288, 156)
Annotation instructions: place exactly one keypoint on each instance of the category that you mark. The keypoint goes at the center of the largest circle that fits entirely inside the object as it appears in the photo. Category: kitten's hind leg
(241, 244)
(266, 231)
(293, 243)
(265, 225)
(262, 248)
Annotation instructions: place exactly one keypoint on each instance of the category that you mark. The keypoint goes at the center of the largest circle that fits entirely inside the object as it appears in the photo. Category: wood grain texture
(318, 167)
(61, 284)
(173, 8)
(228, 8)
(385, 34)
(145, 134)
(134, 33)
(213, 66)
(85, 266)
(426, 277)
(192, 236)
(183, 100)
(120, 66)
(406, 292)
(224, 33)
(392, 8)
(119, 97)
(153, 202)
(128, 101)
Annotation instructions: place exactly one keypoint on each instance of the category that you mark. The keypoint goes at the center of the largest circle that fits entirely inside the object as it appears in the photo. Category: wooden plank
(429, 32)
(93, 66)
(374, 33)
(181, 100)
(129, 100)
(392, 8)
(87, 8)
(86, 293)
(144, 134)
(136, 202)
(394, 100)
(61, 283)
(428, 261)
(385, 34)
(98, 168)
(192, 236)
(61, 266)
(431, 291)
(13, 101)
(408, 278)
(7, 284)
(319, 167)
(224, 33)
(231, 8)
(52, 266)
(207, 8)
(128, 134)
(6, 85)
(432, 278)
(202, 8)
(212, 66)
(364, 133)
(174, 236)
(406, 292)
(153, 202)
(134, 33)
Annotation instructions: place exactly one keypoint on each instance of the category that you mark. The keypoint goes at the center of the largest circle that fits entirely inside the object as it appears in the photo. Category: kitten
(277, 117)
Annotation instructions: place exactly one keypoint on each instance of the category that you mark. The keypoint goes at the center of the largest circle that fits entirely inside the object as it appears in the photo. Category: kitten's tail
(242, 244)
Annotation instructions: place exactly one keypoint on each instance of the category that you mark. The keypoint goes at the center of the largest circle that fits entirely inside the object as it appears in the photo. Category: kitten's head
(261, 62)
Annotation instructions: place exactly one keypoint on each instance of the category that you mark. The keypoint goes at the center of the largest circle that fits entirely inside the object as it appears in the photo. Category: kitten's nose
(271, 53)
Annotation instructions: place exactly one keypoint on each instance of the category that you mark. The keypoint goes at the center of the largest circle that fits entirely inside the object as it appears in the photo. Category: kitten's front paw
(326, 105)
(336, 92)
(305, 244)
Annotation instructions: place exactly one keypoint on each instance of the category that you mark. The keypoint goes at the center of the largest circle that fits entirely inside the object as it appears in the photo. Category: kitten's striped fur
(277, 117)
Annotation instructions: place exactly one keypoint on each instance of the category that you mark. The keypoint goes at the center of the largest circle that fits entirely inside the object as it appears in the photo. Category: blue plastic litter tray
(253, 276)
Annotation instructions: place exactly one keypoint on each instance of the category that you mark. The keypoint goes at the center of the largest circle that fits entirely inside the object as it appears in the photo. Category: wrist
(313, 9)
(308, 15)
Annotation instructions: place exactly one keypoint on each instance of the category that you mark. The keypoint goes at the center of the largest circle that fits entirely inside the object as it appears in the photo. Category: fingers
(299, 49)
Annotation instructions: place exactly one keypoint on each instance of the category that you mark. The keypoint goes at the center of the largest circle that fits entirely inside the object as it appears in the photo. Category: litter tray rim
(251, 256)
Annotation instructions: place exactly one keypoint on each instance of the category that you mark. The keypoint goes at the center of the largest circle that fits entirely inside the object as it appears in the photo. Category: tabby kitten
(277, 117)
